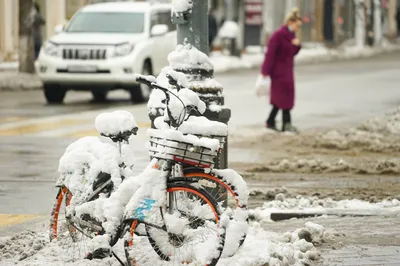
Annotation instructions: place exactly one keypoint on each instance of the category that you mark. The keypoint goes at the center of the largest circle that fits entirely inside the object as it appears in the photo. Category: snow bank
(303, 166)
(323, 206)
(260, 248)
(15, 81)
(22, 246)
(230, 29)
(377, 135)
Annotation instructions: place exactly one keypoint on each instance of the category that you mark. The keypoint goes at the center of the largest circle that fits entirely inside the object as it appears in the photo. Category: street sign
(253, 12)
(253, 24)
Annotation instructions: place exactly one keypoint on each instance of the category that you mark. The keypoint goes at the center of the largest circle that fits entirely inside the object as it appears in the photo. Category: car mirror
(159, 30)
(59, 28)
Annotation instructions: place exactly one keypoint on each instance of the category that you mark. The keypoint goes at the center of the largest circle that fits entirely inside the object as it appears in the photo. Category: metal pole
(195, 31)
(192, 28)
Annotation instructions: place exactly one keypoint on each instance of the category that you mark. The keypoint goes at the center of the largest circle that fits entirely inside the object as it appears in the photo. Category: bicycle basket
(181, 151)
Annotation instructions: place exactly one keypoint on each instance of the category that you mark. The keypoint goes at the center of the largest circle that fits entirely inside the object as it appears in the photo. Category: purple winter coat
(278, 64)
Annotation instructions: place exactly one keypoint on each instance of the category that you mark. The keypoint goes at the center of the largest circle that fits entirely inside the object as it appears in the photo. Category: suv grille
(84, 54)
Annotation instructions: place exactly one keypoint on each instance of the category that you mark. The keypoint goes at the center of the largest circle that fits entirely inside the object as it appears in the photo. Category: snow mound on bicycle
(81, 163)
(115, 122)
(200, 125)
(170, 134)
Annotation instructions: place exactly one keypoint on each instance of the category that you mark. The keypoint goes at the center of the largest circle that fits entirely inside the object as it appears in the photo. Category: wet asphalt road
(34, 135)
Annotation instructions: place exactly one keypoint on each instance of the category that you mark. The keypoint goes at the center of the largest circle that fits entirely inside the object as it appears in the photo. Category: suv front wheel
(99, 96)
(53, 93)
(140, 93)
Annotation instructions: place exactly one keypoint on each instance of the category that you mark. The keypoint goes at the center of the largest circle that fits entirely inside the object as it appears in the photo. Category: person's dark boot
(271, 126)
(288, 127)
(100, 253)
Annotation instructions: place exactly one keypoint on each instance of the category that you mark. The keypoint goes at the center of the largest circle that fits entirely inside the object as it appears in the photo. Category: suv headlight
(51, 49)
(123, 49)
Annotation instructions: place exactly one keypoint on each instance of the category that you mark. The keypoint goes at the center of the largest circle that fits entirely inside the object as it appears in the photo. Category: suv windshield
(107, 22)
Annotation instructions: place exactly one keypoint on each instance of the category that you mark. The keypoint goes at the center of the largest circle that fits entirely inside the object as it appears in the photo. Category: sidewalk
(10, 80)
(311, 53)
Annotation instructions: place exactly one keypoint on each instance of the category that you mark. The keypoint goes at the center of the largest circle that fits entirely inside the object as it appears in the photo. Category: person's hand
(264, 76)
(296, 42)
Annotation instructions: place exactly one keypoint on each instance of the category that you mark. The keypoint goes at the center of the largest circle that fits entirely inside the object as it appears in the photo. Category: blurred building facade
(325, 21)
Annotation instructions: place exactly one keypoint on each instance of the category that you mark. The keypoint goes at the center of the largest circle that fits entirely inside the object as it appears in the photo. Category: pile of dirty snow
(303, 166)
(303, 204)
(377, 135)
(15, 81)
(22, 246)
(260, 248)
(230, 29)
(387, 166)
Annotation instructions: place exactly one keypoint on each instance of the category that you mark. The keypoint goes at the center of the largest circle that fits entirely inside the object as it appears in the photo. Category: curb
(281, 216)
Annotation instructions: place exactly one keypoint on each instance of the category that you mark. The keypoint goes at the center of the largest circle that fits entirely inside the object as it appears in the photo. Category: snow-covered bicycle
(170, 219)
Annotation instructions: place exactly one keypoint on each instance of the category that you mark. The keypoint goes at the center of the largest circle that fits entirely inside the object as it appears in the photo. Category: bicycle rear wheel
(193, 231)
(225, 195)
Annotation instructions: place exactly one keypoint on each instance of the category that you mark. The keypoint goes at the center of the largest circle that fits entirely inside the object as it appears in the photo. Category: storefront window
(307, 10)
(345, 20)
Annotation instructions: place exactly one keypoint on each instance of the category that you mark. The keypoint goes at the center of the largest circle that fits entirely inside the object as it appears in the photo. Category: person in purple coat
(278, 66)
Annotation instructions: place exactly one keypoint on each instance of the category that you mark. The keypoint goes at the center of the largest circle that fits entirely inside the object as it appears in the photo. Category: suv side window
(162, 17)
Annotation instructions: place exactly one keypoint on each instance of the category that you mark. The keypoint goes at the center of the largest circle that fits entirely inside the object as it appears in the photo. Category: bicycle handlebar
(143, 80)
(187, 108)
(173, 122)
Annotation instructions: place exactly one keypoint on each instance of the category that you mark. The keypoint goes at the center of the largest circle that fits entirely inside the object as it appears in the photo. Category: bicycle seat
(118, 125)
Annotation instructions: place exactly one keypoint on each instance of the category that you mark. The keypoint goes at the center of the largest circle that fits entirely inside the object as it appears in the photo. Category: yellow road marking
(93, 132)
(12, 119)
(84, 133)
(10, 219)
(34, 128)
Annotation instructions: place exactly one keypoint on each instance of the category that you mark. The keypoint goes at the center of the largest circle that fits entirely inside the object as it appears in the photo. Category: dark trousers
(286, 119)
(37, 47)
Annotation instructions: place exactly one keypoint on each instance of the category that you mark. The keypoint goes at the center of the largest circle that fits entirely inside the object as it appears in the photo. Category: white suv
(103, 46)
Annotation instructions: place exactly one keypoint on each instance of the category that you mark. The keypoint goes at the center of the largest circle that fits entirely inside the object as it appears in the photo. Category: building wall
(8, 28)
(55, 15)
(54, 11)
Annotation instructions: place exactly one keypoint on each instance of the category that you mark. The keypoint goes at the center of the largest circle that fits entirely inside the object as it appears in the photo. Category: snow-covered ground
(4, 66)
(11, 81)
(260, 248)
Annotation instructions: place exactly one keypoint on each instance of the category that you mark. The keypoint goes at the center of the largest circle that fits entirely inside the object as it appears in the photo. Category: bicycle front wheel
(193, 230)
(73, 238)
